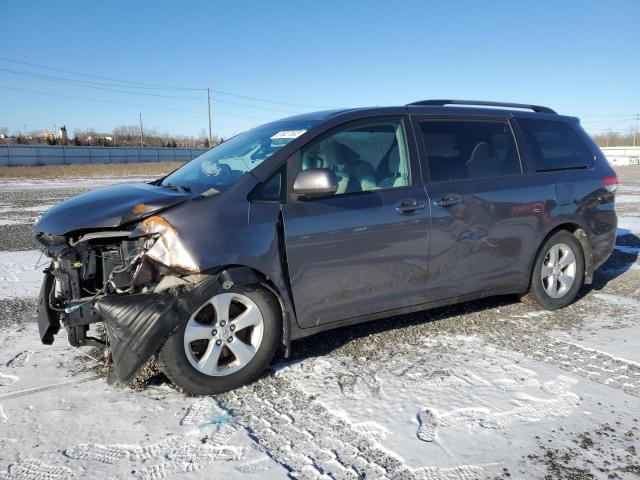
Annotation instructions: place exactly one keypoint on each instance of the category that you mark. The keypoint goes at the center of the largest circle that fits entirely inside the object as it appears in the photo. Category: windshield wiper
(177, 188)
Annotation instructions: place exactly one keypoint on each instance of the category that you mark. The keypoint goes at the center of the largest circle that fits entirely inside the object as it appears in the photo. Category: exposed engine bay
(140, 282)
(88, 267)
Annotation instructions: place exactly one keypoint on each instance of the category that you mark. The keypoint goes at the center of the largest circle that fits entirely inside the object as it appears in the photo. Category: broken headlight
(167, 248)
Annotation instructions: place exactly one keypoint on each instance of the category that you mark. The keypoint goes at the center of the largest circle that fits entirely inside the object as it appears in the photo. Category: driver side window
(364, 156)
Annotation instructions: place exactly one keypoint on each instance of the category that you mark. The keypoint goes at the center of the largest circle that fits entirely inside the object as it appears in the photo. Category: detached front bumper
(137, 324)
(48, 319)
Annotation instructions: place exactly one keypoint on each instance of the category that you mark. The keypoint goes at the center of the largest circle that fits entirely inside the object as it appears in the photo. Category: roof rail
(441, 103)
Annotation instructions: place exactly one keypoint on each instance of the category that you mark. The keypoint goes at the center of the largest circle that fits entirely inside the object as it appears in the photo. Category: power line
(89, 82)
(69, 81)
(219, 100)
(134, 84)
(148, 85)
(302, 105)
(608, 116)
(97, 100)
(126, 103)
(605, 130)
(609, 122)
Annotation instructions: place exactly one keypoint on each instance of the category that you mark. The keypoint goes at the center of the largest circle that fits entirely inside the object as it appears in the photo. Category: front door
(364, 249)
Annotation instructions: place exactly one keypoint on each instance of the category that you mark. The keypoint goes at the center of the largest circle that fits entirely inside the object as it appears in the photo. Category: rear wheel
(227, 342)
(558, 272)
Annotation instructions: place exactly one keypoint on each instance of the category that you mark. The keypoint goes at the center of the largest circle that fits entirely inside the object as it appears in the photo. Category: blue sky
(579, 57)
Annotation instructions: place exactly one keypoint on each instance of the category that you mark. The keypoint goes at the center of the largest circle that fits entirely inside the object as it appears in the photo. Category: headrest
(441, 145)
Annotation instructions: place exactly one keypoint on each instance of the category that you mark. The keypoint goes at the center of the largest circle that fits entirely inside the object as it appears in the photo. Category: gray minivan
(323, 220)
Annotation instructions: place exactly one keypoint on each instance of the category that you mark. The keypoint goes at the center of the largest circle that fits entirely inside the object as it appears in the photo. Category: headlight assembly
(167, 248)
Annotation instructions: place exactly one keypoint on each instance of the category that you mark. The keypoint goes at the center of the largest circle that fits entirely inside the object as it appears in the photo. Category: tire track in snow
(597, 366)
(32, 469)
(204, 411)
(311, 442)
(462, 472)
(316, 442)
(255, 466)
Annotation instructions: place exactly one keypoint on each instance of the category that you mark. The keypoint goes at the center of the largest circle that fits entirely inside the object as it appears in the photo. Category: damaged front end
(128, 278)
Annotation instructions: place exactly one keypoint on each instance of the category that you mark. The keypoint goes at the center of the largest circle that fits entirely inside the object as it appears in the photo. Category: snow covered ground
(488, 389)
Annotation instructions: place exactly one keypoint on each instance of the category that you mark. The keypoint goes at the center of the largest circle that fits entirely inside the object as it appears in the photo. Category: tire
(184, 360)
(551, 289)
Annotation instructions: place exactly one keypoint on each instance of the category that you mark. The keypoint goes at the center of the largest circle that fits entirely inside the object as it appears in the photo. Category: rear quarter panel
(575, 197)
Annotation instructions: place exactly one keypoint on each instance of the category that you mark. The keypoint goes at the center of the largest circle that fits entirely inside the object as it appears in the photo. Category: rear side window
(555, 145)
(463, 149)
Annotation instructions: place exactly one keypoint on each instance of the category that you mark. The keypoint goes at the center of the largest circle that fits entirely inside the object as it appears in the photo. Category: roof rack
(442, 103)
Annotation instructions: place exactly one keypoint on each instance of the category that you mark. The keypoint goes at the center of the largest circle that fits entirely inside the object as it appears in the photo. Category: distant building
(62, 133)
(620, 156)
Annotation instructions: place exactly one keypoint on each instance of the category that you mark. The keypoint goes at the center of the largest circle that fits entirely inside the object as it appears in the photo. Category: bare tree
(613, 139)
(122, 136)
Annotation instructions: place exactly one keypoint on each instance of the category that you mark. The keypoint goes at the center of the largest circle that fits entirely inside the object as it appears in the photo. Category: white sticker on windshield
(288, 134)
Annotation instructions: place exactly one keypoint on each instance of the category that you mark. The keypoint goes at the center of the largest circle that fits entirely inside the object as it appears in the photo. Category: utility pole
(635, 132)
(209, 107)
(141, 139)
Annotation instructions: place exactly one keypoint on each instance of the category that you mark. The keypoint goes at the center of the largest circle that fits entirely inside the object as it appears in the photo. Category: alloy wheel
(558, 271)
(224, 334)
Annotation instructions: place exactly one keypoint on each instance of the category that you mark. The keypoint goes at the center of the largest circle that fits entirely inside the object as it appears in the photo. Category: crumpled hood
(108, 207)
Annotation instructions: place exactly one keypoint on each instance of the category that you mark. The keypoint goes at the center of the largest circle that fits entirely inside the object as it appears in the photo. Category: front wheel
(558, 272)
(226, 343)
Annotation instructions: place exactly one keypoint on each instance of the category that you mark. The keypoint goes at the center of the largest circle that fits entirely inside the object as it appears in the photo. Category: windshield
(224, 164)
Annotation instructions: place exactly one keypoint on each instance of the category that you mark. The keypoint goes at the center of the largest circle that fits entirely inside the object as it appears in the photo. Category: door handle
(408, 207)
(447, 201)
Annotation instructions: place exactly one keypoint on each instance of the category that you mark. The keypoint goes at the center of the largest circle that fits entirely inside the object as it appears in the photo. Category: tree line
(122, 136)
(616, 139)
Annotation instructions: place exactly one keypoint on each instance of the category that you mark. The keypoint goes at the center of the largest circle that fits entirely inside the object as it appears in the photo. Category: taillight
(610, 182)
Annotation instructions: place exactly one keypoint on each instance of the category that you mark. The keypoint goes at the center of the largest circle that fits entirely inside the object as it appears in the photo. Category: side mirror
(315, 182)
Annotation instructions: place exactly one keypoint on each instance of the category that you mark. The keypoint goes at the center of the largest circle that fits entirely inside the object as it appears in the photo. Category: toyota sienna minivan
(323, 220)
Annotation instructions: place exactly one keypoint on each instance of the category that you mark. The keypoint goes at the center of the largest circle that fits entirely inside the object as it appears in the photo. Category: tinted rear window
(555, 145)
(462, 149)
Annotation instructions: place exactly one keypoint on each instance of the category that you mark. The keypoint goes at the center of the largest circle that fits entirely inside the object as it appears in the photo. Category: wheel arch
(230, 275)
(581, 235)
